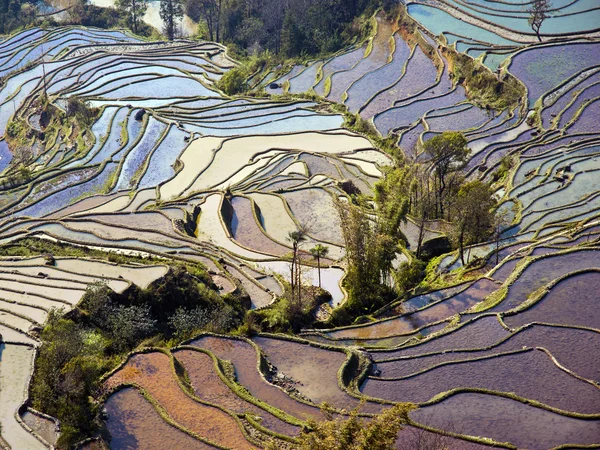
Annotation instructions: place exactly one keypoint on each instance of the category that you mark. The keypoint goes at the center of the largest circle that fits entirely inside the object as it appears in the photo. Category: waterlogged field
(508, 355)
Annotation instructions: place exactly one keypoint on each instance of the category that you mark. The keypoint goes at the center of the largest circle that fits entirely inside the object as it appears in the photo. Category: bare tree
(537, 14)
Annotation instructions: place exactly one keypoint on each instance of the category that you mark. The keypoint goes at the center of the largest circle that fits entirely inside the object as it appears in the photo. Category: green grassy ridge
(387, 319)
(512, 396)
(451, 363)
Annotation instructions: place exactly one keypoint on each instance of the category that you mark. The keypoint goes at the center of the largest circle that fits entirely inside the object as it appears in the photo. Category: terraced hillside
(504, 354)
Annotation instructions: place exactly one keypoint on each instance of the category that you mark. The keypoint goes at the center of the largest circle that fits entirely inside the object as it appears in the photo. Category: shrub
(408, 275)
(233, 82)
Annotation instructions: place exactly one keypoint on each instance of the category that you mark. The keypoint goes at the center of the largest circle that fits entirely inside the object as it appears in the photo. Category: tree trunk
(497, 242)
(462, 247)
(219, 21)
(319, 269)
(537, 32)
(420, 239)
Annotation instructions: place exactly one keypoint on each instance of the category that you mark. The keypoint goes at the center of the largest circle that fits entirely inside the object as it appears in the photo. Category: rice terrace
(311, 224)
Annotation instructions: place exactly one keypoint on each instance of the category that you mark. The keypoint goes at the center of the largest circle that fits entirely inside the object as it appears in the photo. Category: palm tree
(319, 251)
(296, 238)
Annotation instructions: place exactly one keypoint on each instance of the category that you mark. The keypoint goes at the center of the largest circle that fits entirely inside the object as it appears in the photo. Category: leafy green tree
(210, 11)
(81, 110)
(128, 324)
(369, 256)
(393, 200)
(134, 9)
(538, 12)
(449, 153)
(292, 38)
(319, 251)
(171, 12)
(66, 374)
(473, 215)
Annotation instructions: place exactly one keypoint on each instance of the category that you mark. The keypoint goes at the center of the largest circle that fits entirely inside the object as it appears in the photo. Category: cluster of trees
(15, 14)
(295, 308)
(426, 192)
(84, 344)
(18, 14)
(285, 27)
(437, 190)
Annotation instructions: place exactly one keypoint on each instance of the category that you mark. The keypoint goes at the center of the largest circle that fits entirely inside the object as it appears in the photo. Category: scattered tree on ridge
(369, 255)
(211, 12)
(537, 14)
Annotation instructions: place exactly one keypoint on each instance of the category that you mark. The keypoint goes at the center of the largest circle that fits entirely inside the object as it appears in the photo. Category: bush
(67, 370)
(233, 82)
(354, 433)
(409, 275)
(82, 112)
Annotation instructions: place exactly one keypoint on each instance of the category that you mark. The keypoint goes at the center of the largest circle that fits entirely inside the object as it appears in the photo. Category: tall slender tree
(295, 238)
(319, 251)
(171, 12)
(135, 9)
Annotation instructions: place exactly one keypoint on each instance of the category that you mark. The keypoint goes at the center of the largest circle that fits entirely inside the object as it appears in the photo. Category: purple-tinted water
(338, 64)
(552, 111)
(420, 74)
(246, 230)
(572, 301)
(529, 374)
(541, 272)
(587, 95)
(410, 139)
(472, 117)
(65, 197)
(589, 119)
(506, 420)
(543, 68)
(5, 155)
(363, 89)
(403, 116)
(479, 333)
